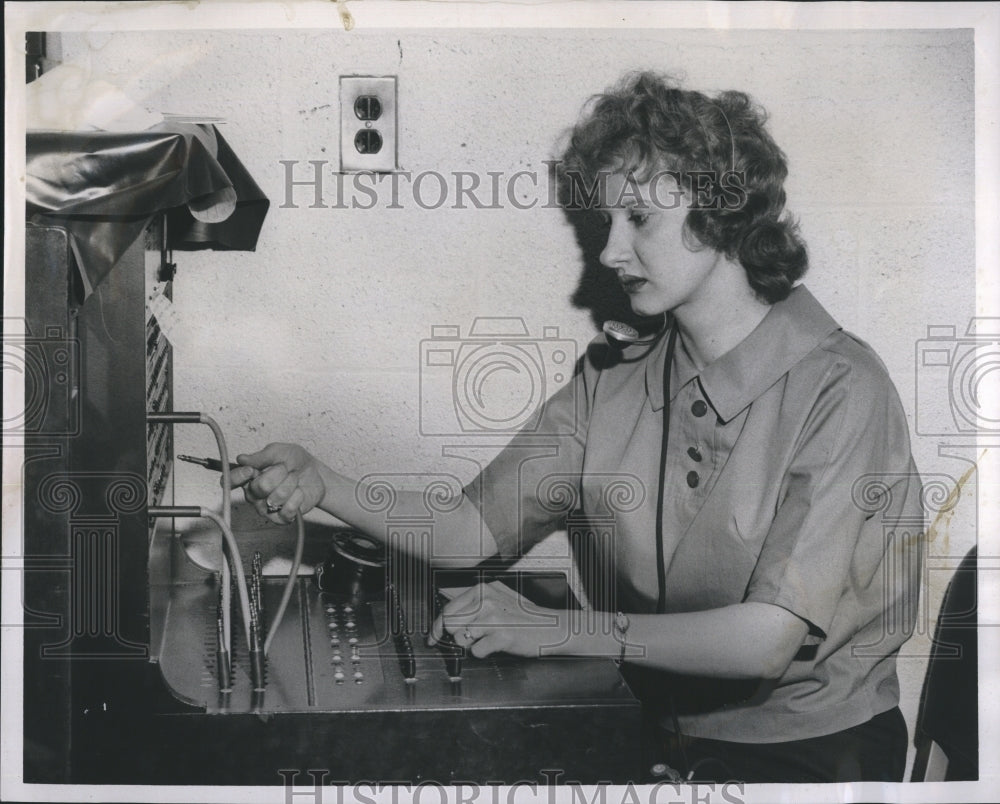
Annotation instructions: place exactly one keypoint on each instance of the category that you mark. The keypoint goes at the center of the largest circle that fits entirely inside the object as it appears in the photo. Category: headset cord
(661, 572)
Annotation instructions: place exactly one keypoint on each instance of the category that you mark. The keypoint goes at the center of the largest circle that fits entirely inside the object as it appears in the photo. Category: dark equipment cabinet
(88, 473)
(104, 586)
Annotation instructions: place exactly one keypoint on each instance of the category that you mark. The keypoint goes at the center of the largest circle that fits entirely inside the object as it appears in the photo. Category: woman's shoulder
(845, 366)
(866, 366)
(838, 352)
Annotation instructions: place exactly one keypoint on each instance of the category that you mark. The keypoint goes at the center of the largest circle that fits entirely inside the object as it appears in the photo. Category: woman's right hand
(281, 481)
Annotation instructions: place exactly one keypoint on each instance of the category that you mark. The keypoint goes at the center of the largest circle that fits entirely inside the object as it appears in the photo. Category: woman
(760, 590)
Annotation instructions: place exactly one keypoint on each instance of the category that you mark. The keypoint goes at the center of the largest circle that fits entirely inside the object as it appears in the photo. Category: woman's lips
(631, 284)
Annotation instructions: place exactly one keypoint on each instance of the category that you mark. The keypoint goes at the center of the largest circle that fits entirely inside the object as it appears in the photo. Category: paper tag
(166, 315)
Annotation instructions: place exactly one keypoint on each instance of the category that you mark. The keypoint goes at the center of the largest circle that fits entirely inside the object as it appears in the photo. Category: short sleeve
(828, 542)
(512, 493)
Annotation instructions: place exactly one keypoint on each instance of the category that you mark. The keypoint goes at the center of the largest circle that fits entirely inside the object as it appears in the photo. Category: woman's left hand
(493, 618)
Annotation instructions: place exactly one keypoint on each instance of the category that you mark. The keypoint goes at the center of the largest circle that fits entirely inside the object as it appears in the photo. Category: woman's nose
(618, 249)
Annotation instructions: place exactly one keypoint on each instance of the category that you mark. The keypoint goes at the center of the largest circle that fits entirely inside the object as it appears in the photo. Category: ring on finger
(272, 509)
(467, 636)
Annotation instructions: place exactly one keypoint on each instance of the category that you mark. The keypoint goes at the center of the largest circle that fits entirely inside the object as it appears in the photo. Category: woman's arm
(741, 641)
(288, 476)
(504, 494)
(744, 640)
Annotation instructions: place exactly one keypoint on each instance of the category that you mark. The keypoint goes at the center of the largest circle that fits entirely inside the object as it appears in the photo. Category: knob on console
(401, 635)
(354, 567)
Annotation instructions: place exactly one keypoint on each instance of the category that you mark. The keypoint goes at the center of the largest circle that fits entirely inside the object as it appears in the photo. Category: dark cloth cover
(103, 187)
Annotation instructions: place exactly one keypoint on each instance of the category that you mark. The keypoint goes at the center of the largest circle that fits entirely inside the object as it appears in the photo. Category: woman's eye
(638, 218)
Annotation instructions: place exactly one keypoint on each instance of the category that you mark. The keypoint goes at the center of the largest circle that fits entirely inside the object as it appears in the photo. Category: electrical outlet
(368, 123)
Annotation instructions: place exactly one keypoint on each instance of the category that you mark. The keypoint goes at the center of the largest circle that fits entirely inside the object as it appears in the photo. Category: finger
(465, 604)
(272, 512)
(448, 625)
(292, 506)
(458, 621)
(271, 454)
(268, 480)
(260, 506)
(281, 493)
(240, 476)
(467, 635)
(437, 630)
(493, 642)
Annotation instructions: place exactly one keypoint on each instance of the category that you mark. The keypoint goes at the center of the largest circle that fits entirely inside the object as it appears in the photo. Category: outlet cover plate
(353, 87)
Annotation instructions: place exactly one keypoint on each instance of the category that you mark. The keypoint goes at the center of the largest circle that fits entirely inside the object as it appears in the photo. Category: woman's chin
(646, 309)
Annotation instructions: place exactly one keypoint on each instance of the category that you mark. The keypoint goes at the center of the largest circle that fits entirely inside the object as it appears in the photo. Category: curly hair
(717, 148)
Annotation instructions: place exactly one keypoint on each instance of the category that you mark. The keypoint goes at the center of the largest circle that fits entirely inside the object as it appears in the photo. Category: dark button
(699, 408)
(693, 452)
(693, 479)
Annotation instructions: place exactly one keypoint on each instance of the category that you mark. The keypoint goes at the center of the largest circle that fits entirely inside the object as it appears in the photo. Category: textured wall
(316, 336)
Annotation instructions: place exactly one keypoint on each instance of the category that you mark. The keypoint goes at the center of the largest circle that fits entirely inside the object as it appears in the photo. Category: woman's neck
(719, 326)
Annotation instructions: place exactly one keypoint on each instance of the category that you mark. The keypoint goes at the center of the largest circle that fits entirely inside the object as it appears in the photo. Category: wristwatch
(619, 629)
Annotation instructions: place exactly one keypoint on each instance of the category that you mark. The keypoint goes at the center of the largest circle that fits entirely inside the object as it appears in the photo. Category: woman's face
(647, 250)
